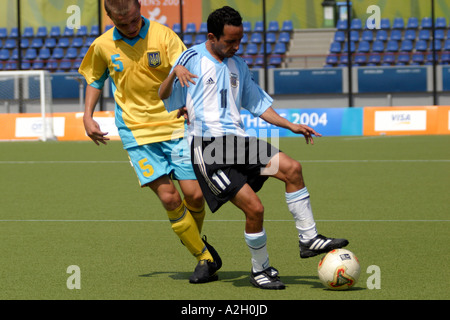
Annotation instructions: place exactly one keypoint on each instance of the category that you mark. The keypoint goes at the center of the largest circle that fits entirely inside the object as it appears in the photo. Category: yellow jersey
(136, 68)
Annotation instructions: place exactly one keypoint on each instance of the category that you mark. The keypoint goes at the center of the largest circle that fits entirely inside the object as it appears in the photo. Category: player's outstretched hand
(93, 131)
(184, 76)
(308, 132)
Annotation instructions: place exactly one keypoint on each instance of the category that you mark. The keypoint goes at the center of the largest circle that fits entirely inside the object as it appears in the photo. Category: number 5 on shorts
(147, 169)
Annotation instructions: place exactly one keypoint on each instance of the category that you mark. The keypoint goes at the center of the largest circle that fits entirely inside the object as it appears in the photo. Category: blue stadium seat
(3, 33)
(244, 39)
(4, 54)
(341, 25)
(374, 59)
(77, 42)
(50, 43)
(248, 60)
(364, 46)
(352, 47)
(30, 54)
(95, 31)
(88, 41)
(439, 34)
(406, 46)
(441, 23)
(268, 49)
(251, 49)
(176, 28)
(1, 43)
(284, 37)
(354, 36)
(287, 26)
(51, 65)
(83, 52)
(426, 23)
(381, 35)
(429, 58)
(14, 32)
(398, 23)
(63, 42)
(280, 48)
(396, 34)
(360, 59)
(44, 54)
(37, 43)
(424, 34)
(68, 32)
(256, 38)
(388, 58)
(271, 37)
(343, 60)
(367, 35)
(421, 45)
(275, 60)
(403, 58)
(71, 53)
(15, 55)
(11, 66)
(392, 46)
(26, 65)
(385, 24)
(82, 31)
(239, 52)
(446, 45)
(417, 58)
(259, 26)
(203, 28)
(37, 65)
(188, 39)
(273, 26)
(445, 58)
(55, 32)
(65, 65)
(24, 43)
(258, 61)
(413, 23)
(332, 59)
(247, 26)
(356, 24)
(437, 45)
(28, 32)
(76, 64)
(58, 53)
(41, 32)
(191, 28)
(335, 47)
(200, 38)
(107, 27)
(10, 44)
(378, 46)
(410, 34)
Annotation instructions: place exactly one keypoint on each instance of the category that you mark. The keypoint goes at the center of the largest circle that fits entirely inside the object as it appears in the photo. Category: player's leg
(298, 200)
(263, 275)
(194, 201)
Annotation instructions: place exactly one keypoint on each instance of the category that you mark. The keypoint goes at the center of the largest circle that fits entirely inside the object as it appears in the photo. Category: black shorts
(223, 165)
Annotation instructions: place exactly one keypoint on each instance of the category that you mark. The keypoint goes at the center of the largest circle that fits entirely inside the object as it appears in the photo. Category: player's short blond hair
(120, 7)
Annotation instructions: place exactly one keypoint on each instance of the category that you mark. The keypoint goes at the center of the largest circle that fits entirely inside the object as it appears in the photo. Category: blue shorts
(152, 161)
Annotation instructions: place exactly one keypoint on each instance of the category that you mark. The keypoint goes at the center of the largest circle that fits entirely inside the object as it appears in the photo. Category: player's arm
(183, 75)
(90, 125)
(272, 117)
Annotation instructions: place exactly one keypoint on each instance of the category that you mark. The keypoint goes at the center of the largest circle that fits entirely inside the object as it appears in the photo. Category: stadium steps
(308, 48)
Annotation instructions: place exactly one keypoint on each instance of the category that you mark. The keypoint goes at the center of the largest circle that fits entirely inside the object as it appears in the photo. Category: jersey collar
(142, 34)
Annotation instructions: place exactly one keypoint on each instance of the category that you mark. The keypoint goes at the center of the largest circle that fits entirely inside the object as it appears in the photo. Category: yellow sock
(184, 225)
(198, 214)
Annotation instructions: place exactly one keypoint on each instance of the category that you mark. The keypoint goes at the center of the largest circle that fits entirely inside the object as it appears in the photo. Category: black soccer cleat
(205, 271)
(267, 279)
(320, 244)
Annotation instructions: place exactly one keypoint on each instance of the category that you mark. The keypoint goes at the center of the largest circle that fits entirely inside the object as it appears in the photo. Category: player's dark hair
(120, 7)
(219, 18)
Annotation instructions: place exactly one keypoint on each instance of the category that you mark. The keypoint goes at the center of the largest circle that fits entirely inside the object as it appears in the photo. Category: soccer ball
(339, 269)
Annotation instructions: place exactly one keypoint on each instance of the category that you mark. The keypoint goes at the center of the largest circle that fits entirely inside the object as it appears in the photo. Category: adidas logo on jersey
(210, 81)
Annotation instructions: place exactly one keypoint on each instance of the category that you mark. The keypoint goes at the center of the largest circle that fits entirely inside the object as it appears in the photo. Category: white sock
(256, 242)
(300, 207)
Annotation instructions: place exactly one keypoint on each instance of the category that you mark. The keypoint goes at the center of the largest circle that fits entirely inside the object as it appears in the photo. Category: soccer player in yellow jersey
(137, 55)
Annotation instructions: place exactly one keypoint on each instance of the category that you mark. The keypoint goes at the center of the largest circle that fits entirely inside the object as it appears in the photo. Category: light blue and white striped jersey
(221, 90)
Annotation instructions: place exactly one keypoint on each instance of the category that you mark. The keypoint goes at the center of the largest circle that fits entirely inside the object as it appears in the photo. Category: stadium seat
(239, 52)
(36, 43)
(421, 45)
(77, 42)
(356, 24)
(11, 66)
(10, 44)
(381, 35)
(374, 59)
(68, 32)
(82, 32)
(258, 61)
(385, 24)
(413, 23)
(437, 45)
(251, 49)
(367, 35)
(406, 46)
(37, 65)
(429, 58)
(403, 58)
(426, 23)
(287, 26)
(341, 25)
(410, 34)
(83, 52)
(30, 54)
(271, 37)
(200, 38)
(107, 27)
(1, 66)
(445, 58)
(354, 36)
(88, 41)
(24, 43)
(392, 46)
(247, 26)
(417, 58)
(439, 34)
(15, 55)
(50, 43)
(441, 23)
(176, 28)
(13, 33)
(343, 60)
(446, 45)
(268, 49)
(65, 65)
(3, 33)
(4, 54)
(275, 60)
(398, 23)
(1, 43)
(388, 58)
(41, 32)
(76, 64)
(360, 59)
(378, 46)
(26, 65)
(352, 47)
(44, 54)
(273, 26)
(244, 39)
(55, 32)
(248, 60)
(51, 65)
(203, 28)
(284, 37)
(332, 59)
(259, 26)
(191, 28)
(335, 47)
(63, 42)
(280, 48)
(256, 38)
(58, 53)
(396, 34)
(364, 47)
(424, 34)
(95, 31)
(28, 32)
(71, 53)
(188, 39)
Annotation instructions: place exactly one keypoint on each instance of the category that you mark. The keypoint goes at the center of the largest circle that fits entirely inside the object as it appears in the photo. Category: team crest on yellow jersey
(154, 59)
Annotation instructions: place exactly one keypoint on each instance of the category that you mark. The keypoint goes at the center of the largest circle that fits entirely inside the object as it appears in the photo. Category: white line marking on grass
(105, 220)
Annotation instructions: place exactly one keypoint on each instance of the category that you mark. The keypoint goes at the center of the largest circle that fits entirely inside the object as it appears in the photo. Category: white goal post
(25, 92)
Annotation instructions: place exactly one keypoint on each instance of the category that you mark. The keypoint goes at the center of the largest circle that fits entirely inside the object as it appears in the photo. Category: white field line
(304, 161)
(150, 220)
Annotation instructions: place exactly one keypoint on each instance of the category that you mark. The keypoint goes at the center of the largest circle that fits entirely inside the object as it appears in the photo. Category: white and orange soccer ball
(339, 269)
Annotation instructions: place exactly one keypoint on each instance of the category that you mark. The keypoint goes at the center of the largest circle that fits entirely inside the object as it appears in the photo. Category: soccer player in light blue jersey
(229, 164)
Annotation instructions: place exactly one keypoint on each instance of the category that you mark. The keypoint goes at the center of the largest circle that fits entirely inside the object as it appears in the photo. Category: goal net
(28, 93)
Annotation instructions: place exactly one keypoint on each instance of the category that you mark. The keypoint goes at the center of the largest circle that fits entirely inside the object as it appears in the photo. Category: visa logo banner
(401, 120)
